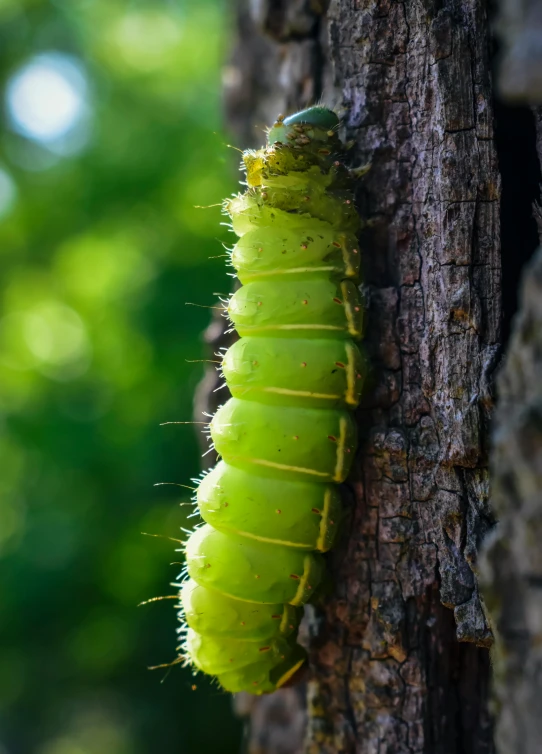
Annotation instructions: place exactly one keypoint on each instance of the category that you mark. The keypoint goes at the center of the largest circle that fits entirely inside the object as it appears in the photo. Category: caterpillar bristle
(157, 599)
(203, 306)
(163, 424)
(161, 536)
(174, 484)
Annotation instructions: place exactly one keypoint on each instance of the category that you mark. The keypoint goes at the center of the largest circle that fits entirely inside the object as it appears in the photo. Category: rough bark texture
(399, 658)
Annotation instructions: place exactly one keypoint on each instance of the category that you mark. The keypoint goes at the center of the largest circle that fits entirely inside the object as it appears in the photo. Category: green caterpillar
(287, 437)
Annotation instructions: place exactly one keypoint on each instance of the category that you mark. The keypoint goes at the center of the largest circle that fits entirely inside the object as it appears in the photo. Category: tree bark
(399, 652)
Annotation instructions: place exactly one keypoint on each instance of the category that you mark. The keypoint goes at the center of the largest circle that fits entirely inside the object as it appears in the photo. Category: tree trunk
(399, 652)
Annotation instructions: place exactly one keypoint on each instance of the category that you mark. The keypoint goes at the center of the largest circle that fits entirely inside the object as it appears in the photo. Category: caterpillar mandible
(286, 437)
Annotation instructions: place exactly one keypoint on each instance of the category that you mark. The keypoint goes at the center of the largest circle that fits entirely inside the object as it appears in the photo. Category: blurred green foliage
(100, 248)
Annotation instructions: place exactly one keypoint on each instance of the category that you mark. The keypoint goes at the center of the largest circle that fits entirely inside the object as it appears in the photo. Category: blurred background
(111, 134)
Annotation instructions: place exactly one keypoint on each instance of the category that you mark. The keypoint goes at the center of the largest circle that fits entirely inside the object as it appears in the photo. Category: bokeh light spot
(56, 336)
(146, 40)
(47, 98)
(49, 337)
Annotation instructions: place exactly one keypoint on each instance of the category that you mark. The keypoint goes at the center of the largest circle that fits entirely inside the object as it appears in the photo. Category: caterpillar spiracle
(286, 437)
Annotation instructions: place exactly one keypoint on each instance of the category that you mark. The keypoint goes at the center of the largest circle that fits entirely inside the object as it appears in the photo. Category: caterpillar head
(316, 116)
(313, 123)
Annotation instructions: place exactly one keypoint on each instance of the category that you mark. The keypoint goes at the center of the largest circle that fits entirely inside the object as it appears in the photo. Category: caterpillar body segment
(309, 306)
(329, 215)
(217, 656)
(301, 443)
(266, 676)
(257, 572)
(287, 437)
(334, 254)
(316, 373)
(214, 614)
(305, 515)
